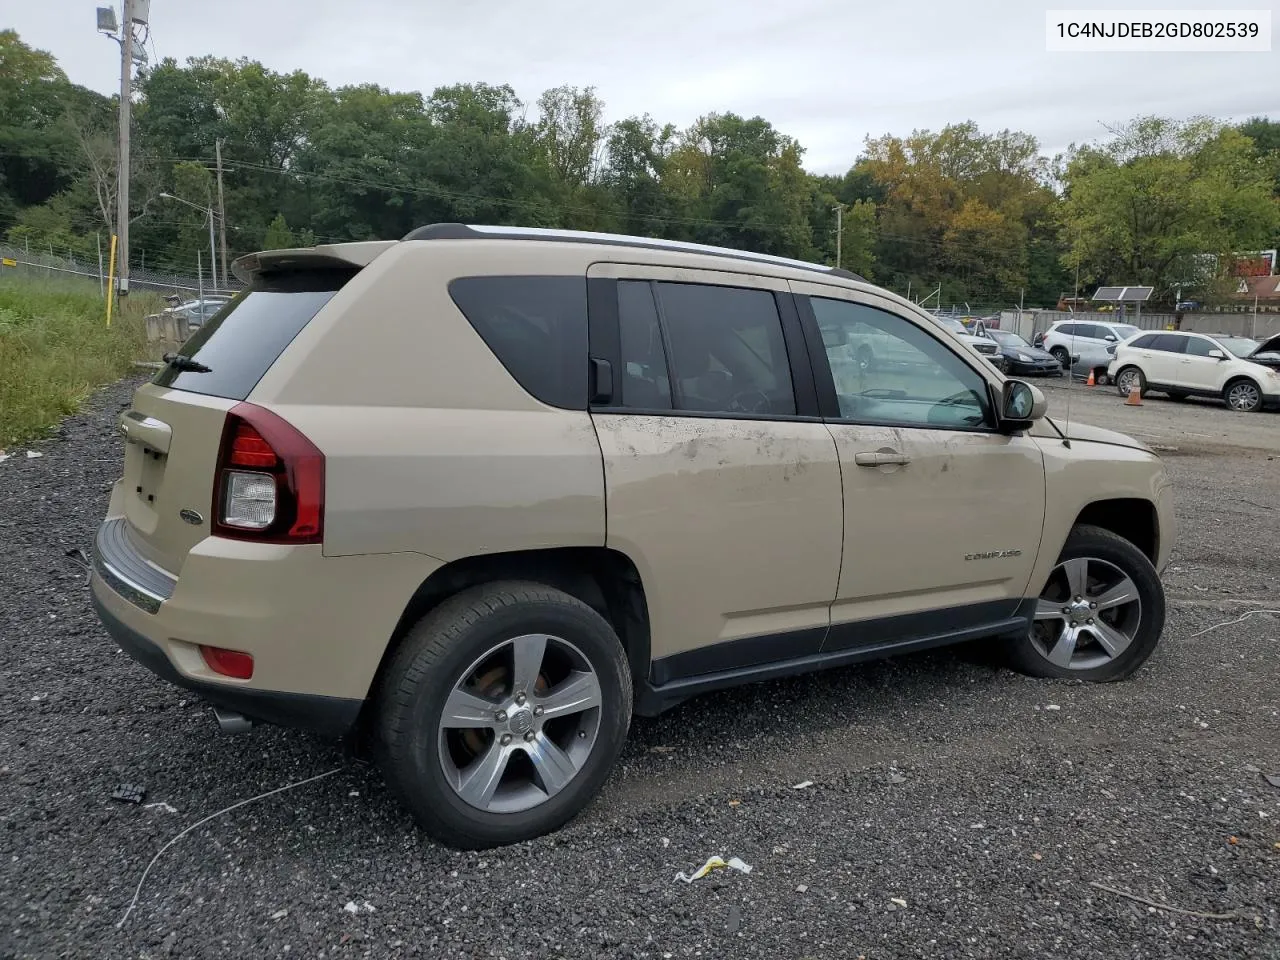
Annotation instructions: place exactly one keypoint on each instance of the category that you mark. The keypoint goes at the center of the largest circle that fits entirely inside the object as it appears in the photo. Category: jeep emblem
(191, 516)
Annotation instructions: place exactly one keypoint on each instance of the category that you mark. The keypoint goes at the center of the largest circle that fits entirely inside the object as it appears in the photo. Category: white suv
(1088, 344)
(1186, 364)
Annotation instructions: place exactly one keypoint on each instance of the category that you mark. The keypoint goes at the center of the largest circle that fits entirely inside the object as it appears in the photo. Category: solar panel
(1124, 294)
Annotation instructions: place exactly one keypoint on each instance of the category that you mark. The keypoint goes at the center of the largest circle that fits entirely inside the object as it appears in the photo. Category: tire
(1139, 619)
(1062, 356)
(1177, 395)
(1124, 377)
(1243, 395)
(478, 630)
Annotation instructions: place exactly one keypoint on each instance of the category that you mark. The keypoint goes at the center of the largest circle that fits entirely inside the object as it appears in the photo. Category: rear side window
(727, 351)
(645, 383)
(1146, 342)
(1066, 330)
(1169, 343)
(536, 327)
(242, 340)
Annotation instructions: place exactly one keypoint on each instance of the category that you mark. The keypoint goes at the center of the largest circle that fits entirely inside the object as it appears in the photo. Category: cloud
(828, 73)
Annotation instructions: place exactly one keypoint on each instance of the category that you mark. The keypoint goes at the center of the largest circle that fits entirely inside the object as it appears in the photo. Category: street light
(213, 260)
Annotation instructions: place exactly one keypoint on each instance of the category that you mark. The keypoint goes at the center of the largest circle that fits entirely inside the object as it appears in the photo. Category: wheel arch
(604, 579)
(1241, 378)
(1132, 518)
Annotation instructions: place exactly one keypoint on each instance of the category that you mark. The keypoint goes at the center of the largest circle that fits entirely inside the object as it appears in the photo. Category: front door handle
(880, 458)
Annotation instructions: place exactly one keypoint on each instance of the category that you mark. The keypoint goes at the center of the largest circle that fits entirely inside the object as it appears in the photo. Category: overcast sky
(828, 72)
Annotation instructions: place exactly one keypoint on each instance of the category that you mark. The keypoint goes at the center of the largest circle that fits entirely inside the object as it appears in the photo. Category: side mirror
(1217, 354)
(1110, 338)
(1021, 405)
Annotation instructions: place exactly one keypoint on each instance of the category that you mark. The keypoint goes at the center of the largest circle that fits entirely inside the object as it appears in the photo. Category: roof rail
(462, 231)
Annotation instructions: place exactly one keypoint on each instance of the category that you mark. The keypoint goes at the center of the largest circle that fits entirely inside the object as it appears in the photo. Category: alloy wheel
(1087, 615)
(1243, 396)
(520, 723)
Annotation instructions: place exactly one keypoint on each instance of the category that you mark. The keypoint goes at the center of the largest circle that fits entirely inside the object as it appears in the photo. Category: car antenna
(1071, 349)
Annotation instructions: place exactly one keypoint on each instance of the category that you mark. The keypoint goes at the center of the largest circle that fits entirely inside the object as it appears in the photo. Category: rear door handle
(879, 458)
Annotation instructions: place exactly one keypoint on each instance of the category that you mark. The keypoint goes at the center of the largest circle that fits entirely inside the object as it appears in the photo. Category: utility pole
(222, 211)
(122, 171)
(839, 208)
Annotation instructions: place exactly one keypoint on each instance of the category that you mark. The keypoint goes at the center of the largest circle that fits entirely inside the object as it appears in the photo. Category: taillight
(270, 480)
(228, 663)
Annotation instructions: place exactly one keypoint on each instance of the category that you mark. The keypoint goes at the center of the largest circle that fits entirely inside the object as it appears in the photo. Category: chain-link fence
(163, 282)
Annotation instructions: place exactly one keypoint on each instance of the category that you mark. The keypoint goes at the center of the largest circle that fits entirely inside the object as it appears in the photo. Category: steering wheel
(741, 402)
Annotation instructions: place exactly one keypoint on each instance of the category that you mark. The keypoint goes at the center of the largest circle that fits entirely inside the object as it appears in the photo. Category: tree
(1164, 201)
(278, 236)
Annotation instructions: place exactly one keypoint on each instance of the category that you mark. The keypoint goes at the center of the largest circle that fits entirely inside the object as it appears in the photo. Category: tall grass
(56, 349)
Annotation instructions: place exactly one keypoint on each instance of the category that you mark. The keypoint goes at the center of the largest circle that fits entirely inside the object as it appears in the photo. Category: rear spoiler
(327, 256)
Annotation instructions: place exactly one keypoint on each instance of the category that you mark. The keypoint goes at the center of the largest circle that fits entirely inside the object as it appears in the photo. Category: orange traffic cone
(1135, 396)
(1090, 382)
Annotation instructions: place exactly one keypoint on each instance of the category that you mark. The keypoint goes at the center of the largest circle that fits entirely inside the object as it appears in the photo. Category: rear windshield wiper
(179, 362)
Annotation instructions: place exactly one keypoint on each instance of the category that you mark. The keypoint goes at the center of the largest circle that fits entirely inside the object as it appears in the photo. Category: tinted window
(1148, 341)
(1169, 342)
(645, 383)
(1088, 331)
(536, 327)
(1197, 347)
(727, 353)
(1067, 330)
(242, 340)
(888, 370)
(1124, 331)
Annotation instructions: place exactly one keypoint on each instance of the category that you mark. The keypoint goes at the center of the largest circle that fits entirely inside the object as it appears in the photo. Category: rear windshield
(241, 341)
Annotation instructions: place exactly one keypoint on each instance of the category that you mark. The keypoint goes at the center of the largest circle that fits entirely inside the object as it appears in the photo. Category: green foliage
(279, 236)
(1149, 205)
(56, 349)
(981, 213)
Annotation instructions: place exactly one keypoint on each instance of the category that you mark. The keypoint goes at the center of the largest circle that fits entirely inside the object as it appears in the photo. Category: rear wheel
(1100, 613)
(503, 713)
(1062, 356)
(1243, 396)
(1128, 378)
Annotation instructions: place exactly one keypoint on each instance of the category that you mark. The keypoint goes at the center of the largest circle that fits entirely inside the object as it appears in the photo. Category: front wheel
(1128, 378)
(1100, 614)
(502, 714)
(1243, 396)
(1060, 354)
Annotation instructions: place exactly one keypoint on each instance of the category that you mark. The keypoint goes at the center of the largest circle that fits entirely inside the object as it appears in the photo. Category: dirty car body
(483, 493)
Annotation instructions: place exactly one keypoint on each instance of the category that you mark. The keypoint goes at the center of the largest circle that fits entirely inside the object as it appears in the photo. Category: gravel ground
(956, 809)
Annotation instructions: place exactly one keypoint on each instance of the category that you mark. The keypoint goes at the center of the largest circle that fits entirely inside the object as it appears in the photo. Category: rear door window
(537, 328)
(1146, 342)
(1169, 343)
(727, 352)
(241, 341)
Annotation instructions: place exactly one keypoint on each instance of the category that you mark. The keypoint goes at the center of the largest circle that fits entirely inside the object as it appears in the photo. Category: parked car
(1184, 364)
(976, 337)
(1021, 358)
(196, 312)
(479, 497)
(1082, 346)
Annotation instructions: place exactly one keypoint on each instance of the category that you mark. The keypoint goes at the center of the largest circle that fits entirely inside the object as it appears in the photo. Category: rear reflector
(228, 663)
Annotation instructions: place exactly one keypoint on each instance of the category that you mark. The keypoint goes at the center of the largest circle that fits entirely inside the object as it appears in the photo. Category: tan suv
(484, 492)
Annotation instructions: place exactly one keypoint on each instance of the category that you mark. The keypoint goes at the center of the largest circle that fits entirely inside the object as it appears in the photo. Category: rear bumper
(317, 627)
(332, 716)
